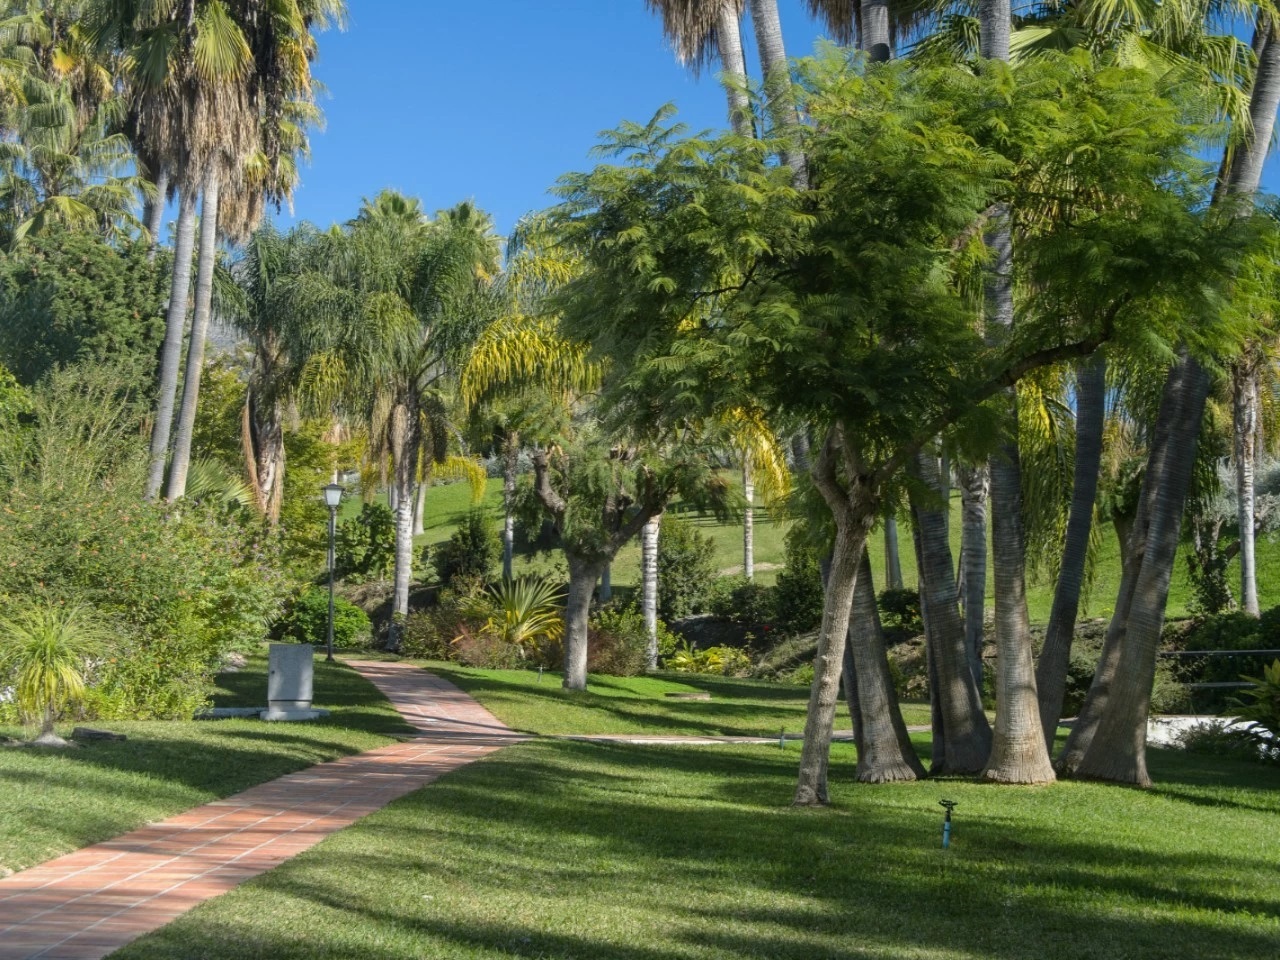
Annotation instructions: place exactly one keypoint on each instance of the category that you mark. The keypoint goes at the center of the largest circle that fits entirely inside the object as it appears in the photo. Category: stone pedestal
(289, 682)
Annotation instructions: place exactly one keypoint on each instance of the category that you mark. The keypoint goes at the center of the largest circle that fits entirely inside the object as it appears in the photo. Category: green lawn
(448, 504)
(640, 704)
(54, 801)
(617, 852)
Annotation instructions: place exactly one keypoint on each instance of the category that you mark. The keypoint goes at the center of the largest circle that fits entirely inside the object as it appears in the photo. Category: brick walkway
(91, 902)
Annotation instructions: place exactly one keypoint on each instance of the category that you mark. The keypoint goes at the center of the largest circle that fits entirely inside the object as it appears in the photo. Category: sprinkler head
(948, 805)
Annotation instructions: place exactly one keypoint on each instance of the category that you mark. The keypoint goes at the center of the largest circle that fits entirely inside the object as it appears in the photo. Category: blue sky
(449, 100)
(491, 101)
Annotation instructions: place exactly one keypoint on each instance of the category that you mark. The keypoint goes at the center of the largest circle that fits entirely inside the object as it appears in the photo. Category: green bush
(617, 642)
(471, 551)
(365, 545)
(1168, 694)
(725, 661)
(797, 597)
(1260, 707)
(308, 621)
(742, 601)
(901, 610)
(686, 568)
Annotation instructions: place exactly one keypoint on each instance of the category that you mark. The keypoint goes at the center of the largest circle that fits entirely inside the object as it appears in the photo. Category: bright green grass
(449, 503)
(54, 801)
(640, 704)
(617, 852)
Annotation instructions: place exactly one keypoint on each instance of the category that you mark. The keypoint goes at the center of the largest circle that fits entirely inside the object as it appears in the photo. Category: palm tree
(703, 31)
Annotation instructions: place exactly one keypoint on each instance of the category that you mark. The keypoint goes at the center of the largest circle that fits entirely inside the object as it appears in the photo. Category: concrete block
(289, 678)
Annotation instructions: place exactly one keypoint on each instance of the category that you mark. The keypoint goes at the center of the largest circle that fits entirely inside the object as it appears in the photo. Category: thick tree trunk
(885, 754)
(994, 23)
(966, 742)
(974, 488)
(510, 461)
(729, 42)
(583, 574)
(937, 723)
(1117, 749)
(264, 455)
(195, 348)
(1055, 658)
(892, 555)
(405, 446)
(155, 213)
(828, 663)
(1018, 750)
(874, 38)
(1264, 98)
(649, 587)
(779, 98)
(419, 506)
(1244, 422)
(171, 351)
(748, 523)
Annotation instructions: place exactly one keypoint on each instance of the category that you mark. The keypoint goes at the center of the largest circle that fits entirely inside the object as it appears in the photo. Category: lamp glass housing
(333, 494)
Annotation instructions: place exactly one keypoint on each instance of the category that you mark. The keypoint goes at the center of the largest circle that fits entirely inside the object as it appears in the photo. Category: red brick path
(91, 902)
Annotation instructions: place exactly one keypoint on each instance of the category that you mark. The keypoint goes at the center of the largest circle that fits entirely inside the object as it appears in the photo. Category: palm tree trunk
(195, 348)
(649, 587)
(583, 574)
(966, 740)
(874, 36)
(1264, 98)
(779, 99)
(171, 351)
(892, 555)
(1244, 422)
(994, 23)
(937, 723)
(729, 42)
(405, 444)
(748, 523)
(974, 489)
(885, 754)
(262, 438)
(155, 214)
(510, 461)
(1018, 750)
(1055, 657)
(419, 506)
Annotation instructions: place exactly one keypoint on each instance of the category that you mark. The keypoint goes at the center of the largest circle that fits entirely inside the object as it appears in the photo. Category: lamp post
(332, 497)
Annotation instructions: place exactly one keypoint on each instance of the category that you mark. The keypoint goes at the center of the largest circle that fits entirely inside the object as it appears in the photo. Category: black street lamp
(332, 498)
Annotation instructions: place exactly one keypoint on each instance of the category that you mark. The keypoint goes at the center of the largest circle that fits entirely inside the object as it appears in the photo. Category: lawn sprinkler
(947, 805)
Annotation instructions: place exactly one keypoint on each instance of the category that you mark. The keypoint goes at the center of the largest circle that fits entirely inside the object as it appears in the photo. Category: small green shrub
(45, 652)
(797, 597)
(471, 551)
(686, 568)
(901, 610)
(365, 545)
(1217, 738)
(726, 661)
(308, 621)
(741, 601)
(617, 642)
(1260, 706)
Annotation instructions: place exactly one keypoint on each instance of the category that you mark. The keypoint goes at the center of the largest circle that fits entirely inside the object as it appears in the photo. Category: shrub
(44, 653)
(526, 614)
(1217, 738)
(1167, 694)
(1260, 707)
(308, 621)
(686, 568)
(901, 610)
(617, 642)
(365, 545)
(742, 601)
(471, 551)
(726, 661)
(797, 597)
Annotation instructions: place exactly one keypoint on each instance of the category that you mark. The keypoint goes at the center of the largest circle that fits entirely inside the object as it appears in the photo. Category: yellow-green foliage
(44, 653)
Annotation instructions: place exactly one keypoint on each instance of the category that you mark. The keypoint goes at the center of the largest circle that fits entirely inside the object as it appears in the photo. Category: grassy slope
(640, 704)
(447, 504)
(613, 852)
(54, 801)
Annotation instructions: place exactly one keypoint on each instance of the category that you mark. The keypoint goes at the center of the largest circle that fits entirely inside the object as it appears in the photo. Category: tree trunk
(885, 753)
(583, 574)
(419, 506)
(510, 461)
(748, 523)
(1018, 750)
(1055, 658)
(1117, 749)
(892, 555)
(966, 732)
(974, 488)
(1244, 423)
(649, 587)
(729, 42)
(171, 351)
(155, 214)
(828, 663)
(404, 446)
(264, 455)
(195, 348)
(393, 497)
(937, 723)
(779, 99)
(874, 37)
(606, 583)
(1264, 98)
(994, 23)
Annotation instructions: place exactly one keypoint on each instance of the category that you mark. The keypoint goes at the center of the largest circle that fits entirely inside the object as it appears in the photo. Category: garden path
(86, 904)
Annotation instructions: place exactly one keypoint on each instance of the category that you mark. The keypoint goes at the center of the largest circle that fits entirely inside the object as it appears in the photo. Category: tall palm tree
(704, 31)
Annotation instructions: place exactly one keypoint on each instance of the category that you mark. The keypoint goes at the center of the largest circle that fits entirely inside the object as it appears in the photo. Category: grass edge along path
(91, 902)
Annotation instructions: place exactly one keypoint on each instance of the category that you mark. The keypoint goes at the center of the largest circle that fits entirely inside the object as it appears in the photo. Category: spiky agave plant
(44, 650)
(527, 612)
